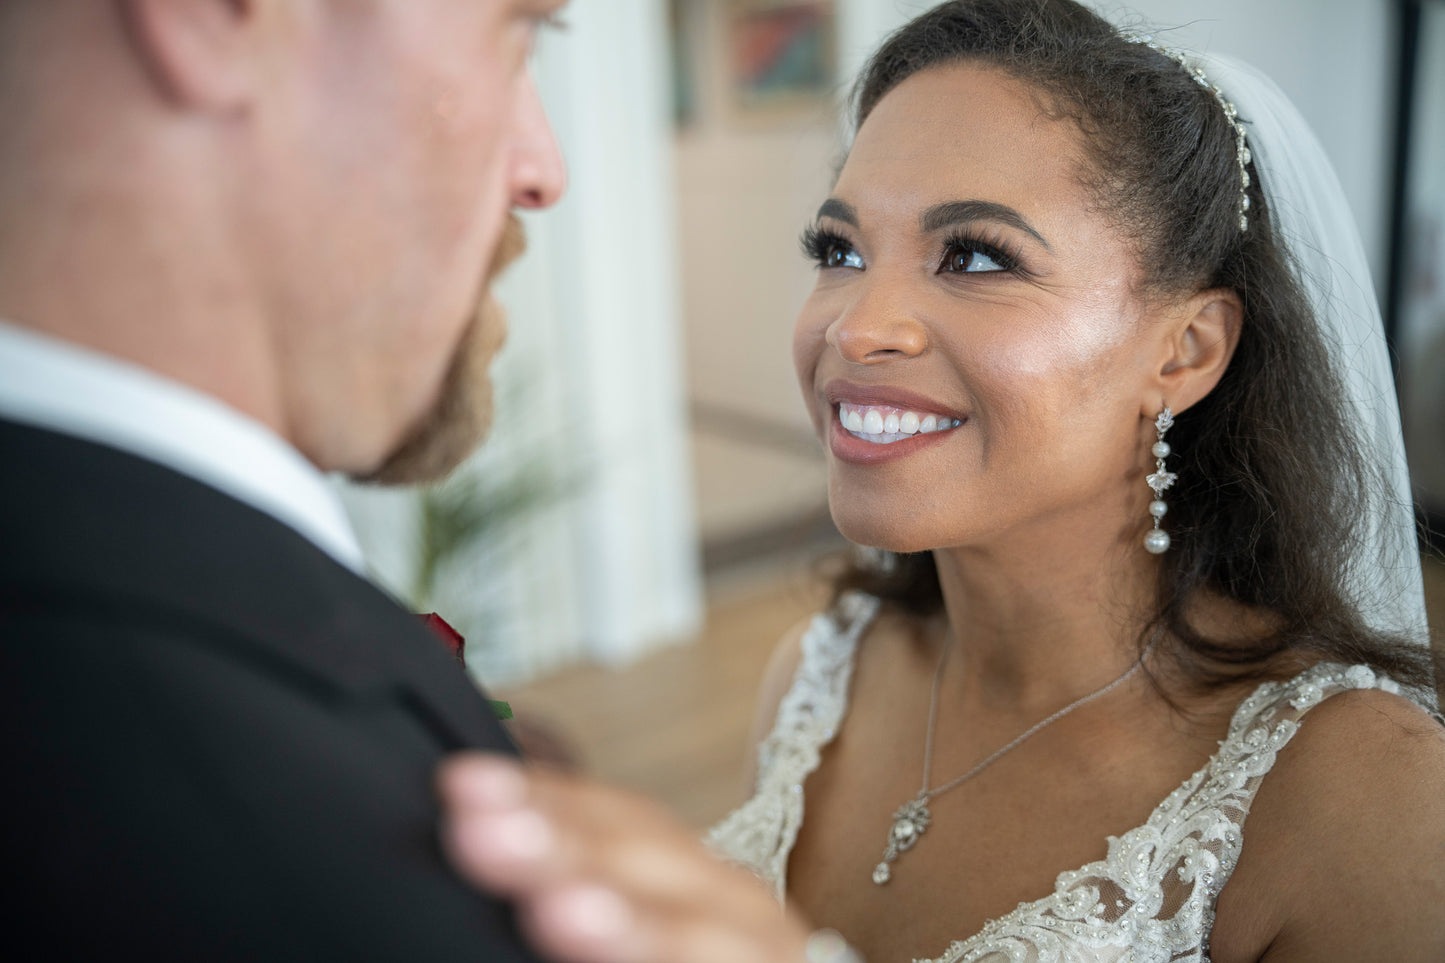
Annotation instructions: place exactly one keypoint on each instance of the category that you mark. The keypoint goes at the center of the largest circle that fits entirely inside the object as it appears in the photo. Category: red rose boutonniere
(458, 645)
(449, 636)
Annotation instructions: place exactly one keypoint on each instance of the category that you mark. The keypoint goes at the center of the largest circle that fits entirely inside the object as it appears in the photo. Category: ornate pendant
(909, 823)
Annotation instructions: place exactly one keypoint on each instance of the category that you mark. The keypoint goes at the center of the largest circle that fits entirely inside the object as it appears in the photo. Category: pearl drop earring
(1157, 541)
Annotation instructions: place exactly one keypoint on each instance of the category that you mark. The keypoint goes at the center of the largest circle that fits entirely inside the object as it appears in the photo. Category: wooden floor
(676, 724)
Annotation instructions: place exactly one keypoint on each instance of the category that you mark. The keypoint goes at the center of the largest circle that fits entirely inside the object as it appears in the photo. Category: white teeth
(872, 424)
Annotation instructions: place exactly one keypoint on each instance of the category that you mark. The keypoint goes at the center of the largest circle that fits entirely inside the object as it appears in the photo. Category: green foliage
(475, 510)
(474, 513)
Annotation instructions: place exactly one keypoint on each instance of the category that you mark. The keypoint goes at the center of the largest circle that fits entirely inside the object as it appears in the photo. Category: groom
(242, 242)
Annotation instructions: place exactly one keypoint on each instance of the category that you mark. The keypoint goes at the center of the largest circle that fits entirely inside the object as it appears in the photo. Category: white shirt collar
(53, 384)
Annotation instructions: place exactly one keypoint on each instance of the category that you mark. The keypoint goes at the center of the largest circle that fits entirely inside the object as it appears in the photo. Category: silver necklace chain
(912, 818)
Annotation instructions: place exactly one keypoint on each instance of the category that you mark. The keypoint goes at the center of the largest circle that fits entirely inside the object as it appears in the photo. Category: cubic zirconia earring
(1157, 541)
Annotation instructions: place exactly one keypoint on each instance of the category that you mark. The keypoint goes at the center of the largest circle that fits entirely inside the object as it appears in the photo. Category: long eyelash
(816, 240)
(997, 248)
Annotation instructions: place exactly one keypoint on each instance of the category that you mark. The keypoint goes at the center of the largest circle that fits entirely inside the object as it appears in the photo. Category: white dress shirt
(53, 384)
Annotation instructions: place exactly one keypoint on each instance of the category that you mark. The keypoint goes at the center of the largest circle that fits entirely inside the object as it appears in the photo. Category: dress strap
(760, 834)
(1269, 718)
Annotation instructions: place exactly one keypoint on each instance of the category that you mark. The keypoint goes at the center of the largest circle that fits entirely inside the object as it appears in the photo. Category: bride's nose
(873, 330)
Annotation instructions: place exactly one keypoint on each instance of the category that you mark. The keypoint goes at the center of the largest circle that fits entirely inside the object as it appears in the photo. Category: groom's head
(291, 204)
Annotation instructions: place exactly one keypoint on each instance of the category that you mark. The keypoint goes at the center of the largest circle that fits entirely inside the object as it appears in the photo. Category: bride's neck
(1031, 624)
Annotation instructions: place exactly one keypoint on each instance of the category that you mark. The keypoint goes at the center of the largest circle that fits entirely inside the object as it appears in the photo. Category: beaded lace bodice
(1151, 898)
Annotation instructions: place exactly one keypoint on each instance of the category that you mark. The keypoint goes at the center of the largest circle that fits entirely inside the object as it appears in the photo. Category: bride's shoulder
(1367, 748)
(1344, 849)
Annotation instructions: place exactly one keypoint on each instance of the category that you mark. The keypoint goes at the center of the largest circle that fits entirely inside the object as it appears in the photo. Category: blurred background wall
(650, 441)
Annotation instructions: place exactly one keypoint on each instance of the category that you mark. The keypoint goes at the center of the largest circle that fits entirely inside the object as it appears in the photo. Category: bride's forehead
(918, 176)
(966, 95)
(965, 122)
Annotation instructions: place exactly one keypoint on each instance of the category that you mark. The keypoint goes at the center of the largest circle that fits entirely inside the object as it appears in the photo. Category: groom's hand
(603, 876)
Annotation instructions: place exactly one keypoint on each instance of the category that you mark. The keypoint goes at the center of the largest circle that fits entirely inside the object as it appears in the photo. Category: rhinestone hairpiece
(1242, 155)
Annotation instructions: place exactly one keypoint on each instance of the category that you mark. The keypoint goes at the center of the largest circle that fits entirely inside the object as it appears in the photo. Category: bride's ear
(1203, 332)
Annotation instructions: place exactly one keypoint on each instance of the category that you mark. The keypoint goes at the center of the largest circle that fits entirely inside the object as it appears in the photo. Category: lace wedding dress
(1150, 899)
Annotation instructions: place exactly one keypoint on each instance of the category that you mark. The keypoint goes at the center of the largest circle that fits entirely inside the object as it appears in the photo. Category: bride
(1094, 358)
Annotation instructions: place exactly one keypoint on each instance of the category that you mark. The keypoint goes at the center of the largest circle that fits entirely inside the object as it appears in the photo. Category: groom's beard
(459, 420)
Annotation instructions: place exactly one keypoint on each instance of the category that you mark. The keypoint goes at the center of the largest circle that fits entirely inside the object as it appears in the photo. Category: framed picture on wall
(781, 54)
(1415, 306)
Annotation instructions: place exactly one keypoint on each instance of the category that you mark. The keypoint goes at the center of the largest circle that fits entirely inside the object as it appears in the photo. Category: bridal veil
(1310, 213)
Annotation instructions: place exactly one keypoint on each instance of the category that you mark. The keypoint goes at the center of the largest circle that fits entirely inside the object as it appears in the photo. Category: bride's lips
(847, 446)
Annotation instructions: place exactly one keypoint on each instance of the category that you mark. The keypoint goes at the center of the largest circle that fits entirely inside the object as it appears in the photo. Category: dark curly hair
(1265, 511)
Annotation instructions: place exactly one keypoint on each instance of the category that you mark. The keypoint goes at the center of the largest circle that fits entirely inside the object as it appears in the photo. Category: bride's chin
(881, 533)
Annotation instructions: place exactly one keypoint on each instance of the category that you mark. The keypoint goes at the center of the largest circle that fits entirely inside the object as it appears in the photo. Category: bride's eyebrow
(939, 216)
(838, 211)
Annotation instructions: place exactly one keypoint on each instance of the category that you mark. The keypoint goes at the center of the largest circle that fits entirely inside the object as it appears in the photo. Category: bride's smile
(873, 423)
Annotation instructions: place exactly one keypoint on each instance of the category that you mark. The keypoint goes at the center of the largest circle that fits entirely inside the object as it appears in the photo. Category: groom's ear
(1201, 335)
(204, 55)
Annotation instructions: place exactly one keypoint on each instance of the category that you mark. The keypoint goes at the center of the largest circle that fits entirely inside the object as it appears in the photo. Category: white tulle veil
(1309, 212)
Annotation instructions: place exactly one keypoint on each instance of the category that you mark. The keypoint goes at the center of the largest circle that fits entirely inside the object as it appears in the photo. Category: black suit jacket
(218, 743)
